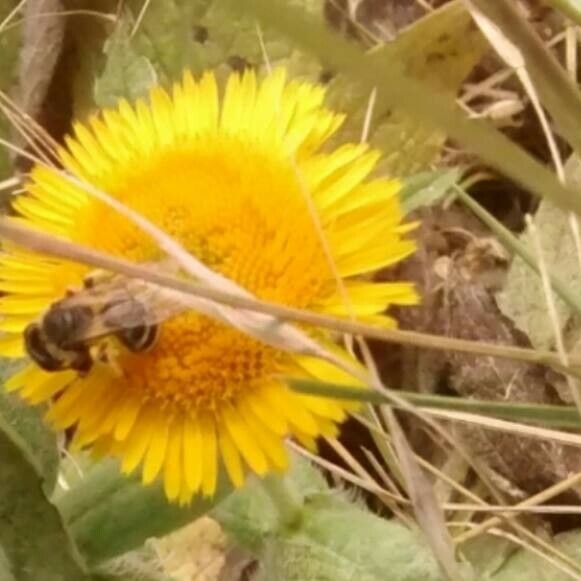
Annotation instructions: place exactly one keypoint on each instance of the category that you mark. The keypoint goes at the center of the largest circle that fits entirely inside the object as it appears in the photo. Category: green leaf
(127, 74)
(27, 422)
(525, 565)
(140, 565)
(340, 541)
(440, 49)
(109, 513)
(487, 553)
(164, 35)
(249, 516)
(158, 44)
(517, 247)
(523, 298)
(233, 39)
(332, 539)
(32, 536)
(427, 188)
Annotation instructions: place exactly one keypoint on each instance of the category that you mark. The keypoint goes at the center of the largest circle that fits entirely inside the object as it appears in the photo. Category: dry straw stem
(559, 95)
(532, 501)
(53, 246)
(531, 505)
(423, 101)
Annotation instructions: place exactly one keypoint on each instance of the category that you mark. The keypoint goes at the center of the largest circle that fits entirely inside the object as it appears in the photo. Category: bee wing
(122, 304)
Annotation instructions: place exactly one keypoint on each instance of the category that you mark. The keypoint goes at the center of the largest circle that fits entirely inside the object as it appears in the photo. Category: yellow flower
(229, 178)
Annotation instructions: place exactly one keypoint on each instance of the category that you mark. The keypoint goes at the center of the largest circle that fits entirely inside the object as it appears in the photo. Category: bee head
(64, 326)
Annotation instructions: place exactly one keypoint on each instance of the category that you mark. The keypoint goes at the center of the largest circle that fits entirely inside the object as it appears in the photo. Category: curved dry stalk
(53, 246)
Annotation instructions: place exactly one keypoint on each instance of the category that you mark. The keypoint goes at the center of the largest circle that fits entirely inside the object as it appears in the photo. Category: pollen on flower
(245, 184)
(197, 366)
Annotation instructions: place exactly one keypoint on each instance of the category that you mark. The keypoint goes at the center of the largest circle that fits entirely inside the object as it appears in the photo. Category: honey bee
(74, 332)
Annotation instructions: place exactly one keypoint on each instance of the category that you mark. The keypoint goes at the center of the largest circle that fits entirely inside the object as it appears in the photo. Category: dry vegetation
(509, 489)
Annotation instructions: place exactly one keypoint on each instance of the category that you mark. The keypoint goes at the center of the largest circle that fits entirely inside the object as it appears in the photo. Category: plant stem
(286, 501)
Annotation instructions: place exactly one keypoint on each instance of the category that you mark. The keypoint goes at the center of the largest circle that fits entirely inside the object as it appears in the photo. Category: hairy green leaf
(162, 33)
(340, 541)
(110, 514)
(158, 41)
(249, 516)
(523, 298)
(33, 538)
(332, 538)
(127, 74)
(525, 565)
(27, 422)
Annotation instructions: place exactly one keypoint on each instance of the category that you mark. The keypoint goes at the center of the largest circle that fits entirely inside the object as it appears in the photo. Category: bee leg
(83, 362)
(103, 353)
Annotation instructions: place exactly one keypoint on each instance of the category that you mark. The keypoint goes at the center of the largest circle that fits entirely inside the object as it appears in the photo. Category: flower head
(237, 180)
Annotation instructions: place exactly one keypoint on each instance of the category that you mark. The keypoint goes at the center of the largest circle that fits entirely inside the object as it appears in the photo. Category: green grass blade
(546, 415)
(517, 247)
(395, 89)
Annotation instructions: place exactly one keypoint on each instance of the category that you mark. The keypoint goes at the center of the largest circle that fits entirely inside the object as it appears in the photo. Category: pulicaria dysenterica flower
(229, 177)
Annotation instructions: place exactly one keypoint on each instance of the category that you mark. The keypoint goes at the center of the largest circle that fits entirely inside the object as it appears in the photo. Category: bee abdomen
(50, 358)
(130, 320)
(140, 338)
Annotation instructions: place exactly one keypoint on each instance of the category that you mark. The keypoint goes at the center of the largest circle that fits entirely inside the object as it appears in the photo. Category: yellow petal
(172, 478)
(266, 413)
(155, 455)
(374, 258)
(126, 418)
(192, 453)
(244, 440)
(12, 346)
(287, 404)
(47, 385)
(209, 456)
(271, 444)
(20, 378)
(231, 458)
(137, 442)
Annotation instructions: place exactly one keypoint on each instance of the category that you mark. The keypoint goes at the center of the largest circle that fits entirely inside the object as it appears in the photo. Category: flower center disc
(241, 211)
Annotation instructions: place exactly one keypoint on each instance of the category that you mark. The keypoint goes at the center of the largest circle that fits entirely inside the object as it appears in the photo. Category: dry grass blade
(50, 245)
(561, 97)
(427, 510)
(510, 427)
(535, 500)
